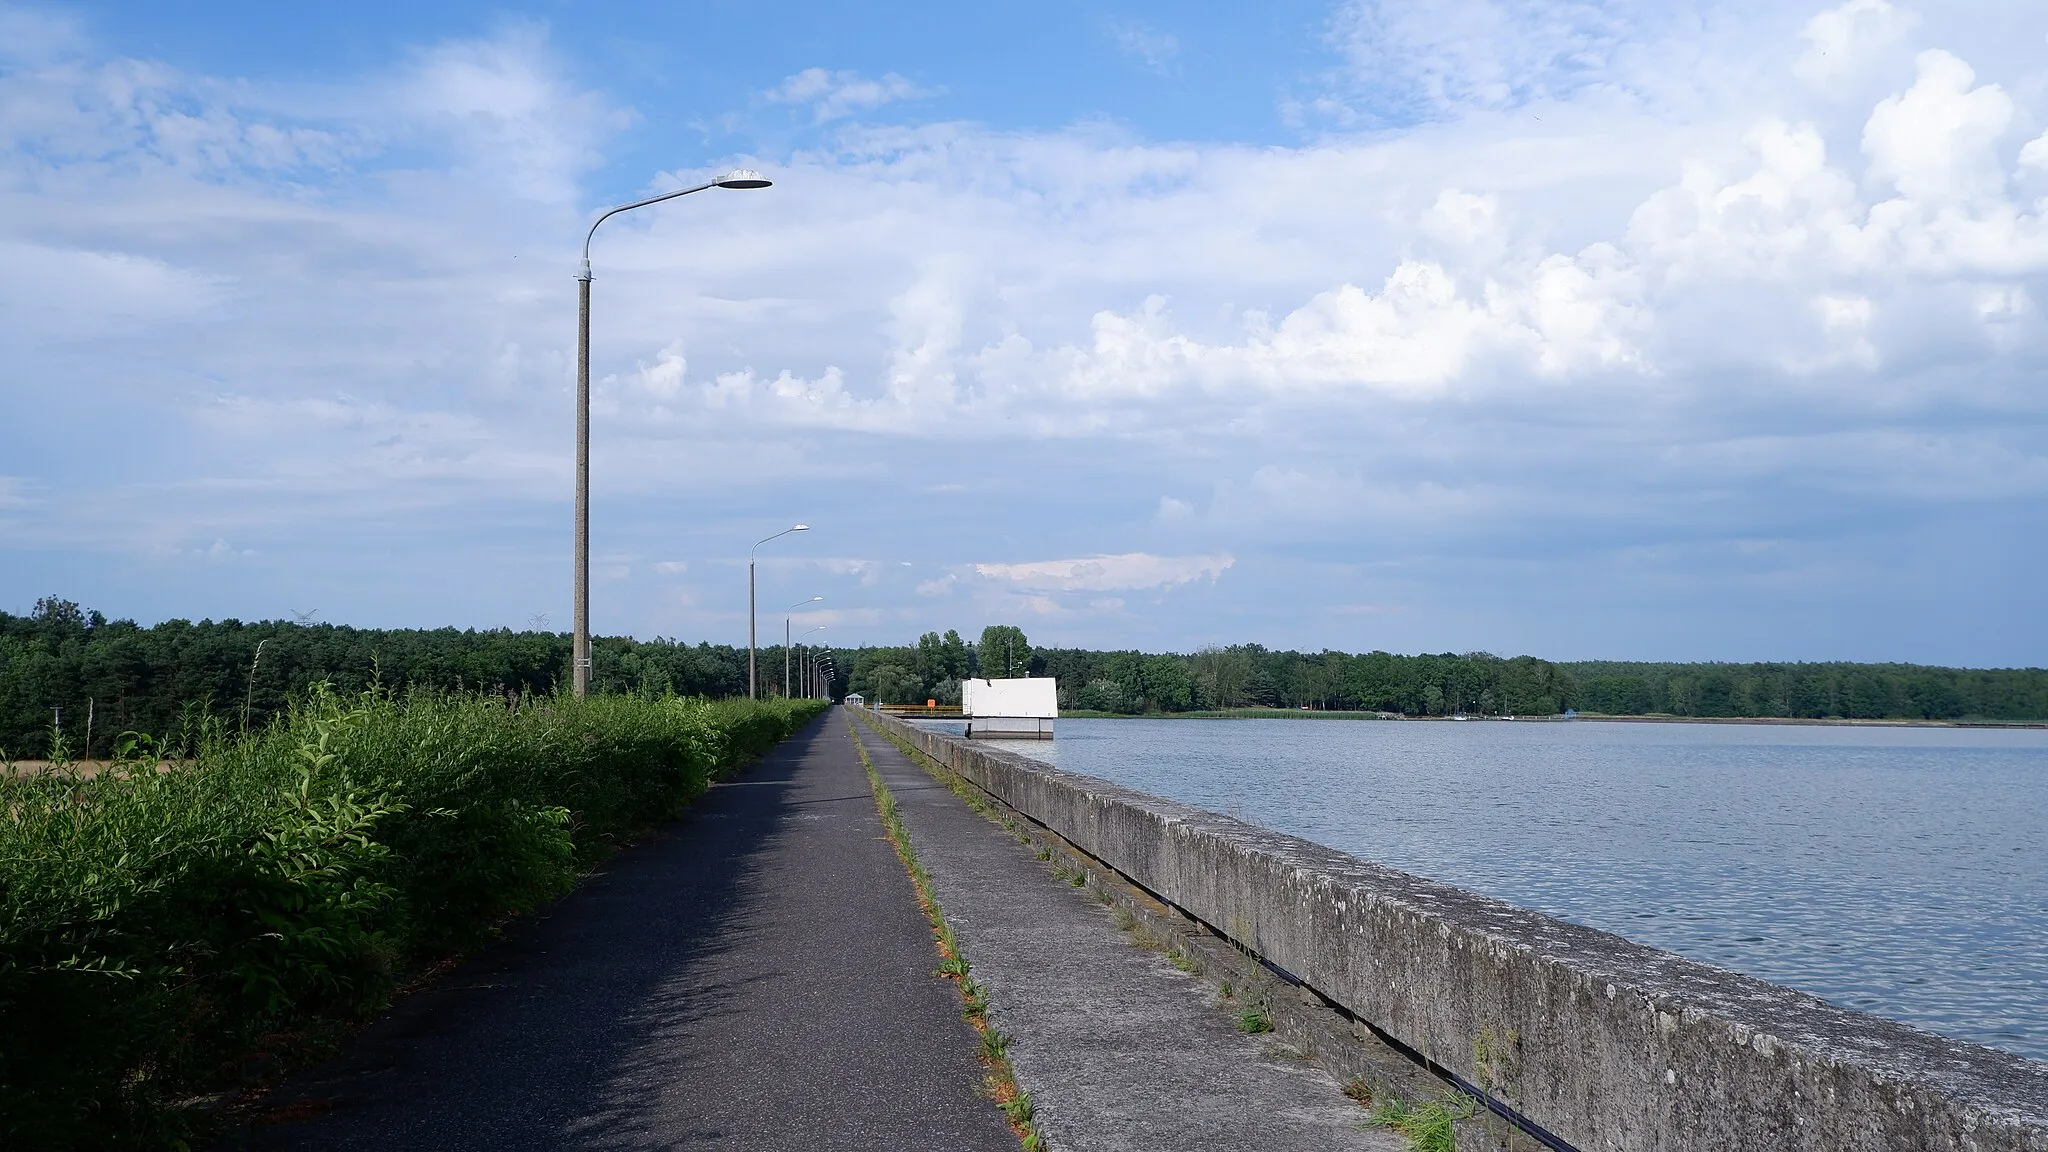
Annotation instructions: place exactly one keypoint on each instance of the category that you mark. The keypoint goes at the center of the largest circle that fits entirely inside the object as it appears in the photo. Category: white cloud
(1935, 141)
(835, 95)
(1130, 571)
(1841, 40)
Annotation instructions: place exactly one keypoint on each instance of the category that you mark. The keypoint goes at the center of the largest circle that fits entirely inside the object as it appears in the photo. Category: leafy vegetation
(93, 678)
(210, 902)
(1427, 1127)
(1250, 676)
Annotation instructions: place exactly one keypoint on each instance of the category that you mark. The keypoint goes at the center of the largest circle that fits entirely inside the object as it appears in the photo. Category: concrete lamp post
(580, 654)
(752, 694)
(800, 639)
(785, 641)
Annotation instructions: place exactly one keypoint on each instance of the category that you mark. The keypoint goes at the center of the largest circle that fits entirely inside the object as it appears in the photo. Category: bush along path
(213, 907)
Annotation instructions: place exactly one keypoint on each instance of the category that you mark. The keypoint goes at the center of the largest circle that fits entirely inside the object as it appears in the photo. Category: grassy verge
(1002, 1080)
(208, 909)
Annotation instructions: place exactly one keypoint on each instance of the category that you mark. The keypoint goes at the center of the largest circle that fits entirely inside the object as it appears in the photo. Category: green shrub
(166, 920)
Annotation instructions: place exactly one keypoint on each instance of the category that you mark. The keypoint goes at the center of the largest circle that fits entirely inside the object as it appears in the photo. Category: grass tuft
(1429, 1126)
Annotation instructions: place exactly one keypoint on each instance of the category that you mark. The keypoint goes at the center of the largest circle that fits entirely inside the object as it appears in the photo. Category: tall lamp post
(751, 693)
(785, 641)
(825, 669)
(580, 653)
(800, 639)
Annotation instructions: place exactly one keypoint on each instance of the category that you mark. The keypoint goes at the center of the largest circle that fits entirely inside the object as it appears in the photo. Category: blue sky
(1675, 331)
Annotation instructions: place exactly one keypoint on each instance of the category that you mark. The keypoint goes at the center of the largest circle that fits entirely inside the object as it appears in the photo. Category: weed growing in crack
(995, 1045)
(1254, 1021)
(1018, 1110)
(1428, 1127)
(1360, 1091)
(1181, 960)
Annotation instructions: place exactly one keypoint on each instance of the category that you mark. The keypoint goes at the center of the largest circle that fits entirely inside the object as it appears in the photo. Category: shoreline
(1583, 717)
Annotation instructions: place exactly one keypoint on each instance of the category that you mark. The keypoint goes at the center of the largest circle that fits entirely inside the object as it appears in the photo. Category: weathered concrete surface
(1120, 1051)
(1606, 1043)
(757, 977)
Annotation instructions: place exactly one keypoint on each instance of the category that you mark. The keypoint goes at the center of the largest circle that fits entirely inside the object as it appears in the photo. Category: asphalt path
(756, 976)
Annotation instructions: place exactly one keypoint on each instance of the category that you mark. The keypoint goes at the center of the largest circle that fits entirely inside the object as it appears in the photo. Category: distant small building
(856, 700)
(1021, 709)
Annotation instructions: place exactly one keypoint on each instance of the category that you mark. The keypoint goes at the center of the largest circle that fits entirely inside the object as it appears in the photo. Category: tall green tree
(1004, 652)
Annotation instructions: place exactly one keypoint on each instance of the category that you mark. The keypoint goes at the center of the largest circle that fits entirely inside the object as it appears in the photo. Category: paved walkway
(758, 977)
(1119, 1049)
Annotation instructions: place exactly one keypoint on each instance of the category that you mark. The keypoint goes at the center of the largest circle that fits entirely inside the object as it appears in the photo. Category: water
(1897, 871)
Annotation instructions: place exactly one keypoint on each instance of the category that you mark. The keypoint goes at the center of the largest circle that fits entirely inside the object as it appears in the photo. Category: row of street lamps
(580, 650)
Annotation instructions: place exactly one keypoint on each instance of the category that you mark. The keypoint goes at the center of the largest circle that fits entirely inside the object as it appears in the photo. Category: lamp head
(743, 178)
(800, 528)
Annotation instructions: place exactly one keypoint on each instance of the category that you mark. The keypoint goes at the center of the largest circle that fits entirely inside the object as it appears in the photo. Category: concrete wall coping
(1622, 1046)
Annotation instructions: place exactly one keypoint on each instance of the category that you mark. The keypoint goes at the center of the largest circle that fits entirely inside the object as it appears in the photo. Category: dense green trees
(67, 670)
(74, 671)
(1849, 691)
(1251, 676)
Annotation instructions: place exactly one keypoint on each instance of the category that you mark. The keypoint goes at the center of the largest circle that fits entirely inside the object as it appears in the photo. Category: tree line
(66, 671)
(69, 672)
(1478, 683)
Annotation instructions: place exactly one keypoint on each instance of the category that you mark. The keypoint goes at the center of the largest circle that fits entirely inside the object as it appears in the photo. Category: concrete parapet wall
(1605, 1043)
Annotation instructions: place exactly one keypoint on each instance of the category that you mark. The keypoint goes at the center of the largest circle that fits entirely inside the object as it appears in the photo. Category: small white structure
(856, 700)
(1022, 709)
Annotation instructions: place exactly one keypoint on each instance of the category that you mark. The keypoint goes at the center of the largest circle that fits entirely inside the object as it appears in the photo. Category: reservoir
(1897, 871)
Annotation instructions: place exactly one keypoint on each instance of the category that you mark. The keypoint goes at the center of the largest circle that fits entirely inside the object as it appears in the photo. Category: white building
(1022, 709)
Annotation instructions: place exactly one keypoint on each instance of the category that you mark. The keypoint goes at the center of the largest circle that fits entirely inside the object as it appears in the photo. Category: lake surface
(1897, 871)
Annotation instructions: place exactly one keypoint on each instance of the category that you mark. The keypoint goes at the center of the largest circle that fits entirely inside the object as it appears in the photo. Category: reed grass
(211, 902)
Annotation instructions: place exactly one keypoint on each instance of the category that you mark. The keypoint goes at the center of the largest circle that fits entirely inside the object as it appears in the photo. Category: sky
(1586, 329)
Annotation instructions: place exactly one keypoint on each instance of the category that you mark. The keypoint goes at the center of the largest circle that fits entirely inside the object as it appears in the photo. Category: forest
(69, 672)
(1477, 683)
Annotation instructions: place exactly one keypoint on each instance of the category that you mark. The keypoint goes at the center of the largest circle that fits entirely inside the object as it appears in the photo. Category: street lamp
(827, 668)
(800, 639)
(580, 654)
(750, 603)
(785, 640)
